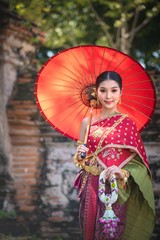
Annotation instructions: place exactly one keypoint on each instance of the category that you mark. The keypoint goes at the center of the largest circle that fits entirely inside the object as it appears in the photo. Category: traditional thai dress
(116, 141)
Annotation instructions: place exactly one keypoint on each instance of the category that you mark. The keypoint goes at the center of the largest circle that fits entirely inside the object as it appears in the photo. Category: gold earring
(119, 102)
(98, 103)
(97, 100)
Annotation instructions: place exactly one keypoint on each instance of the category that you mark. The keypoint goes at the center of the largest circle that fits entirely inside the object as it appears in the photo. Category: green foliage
(119, 24)
(10, 237)
(4, 214)
(58, 238)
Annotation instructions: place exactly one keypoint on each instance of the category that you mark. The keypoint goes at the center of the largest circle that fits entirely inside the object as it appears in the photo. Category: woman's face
(109, 94)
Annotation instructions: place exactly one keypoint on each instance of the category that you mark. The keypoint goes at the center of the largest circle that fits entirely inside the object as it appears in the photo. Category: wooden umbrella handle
(83, 155)
(92, 104)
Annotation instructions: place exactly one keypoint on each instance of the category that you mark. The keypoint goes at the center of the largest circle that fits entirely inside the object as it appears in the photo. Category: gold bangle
(79, 142)
(77, 162)
(126, 175)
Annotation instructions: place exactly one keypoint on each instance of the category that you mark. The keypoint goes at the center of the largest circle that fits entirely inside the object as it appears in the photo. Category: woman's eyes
(114, 90)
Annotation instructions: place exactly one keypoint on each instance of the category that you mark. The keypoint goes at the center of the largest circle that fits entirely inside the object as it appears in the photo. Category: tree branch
(138, 28)
(101, 23)
(135, 20)
(118, 34)
(130, 35)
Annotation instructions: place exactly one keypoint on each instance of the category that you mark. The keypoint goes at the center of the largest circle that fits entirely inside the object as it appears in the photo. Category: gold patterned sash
(90, 163)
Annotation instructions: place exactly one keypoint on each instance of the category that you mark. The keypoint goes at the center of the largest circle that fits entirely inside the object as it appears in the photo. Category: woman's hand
(81, 149)
(114, 170)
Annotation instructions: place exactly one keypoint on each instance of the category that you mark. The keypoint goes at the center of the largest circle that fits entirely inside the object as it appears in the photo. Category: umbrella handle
(92, 103)
(83, 155)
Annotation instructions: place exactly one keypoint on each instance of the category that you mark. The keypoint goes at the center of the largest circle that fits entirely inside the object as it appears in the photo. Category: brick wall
(43, 169)
(25, 141)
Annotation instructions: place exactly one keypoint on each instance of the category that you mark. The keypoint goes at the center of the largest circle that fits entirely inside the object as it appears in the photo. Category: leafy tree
(128, 25)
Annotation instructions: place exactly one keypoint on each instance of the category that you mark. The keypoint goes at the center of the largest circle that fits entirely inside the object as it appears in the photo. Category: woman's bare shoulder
(86, 120)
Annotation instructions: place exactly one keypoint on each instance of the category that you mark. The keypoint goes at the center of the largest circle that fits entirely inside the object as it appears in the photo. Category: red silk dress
(118, 143)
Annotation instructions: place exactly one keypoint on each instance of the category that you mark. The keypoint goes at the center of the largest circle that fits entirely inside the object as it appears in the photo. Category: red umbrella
(65, 81)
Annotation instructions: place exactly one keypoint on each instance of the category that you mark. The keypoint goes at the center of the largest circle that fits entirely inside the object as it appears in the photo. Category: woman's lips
(108, 102)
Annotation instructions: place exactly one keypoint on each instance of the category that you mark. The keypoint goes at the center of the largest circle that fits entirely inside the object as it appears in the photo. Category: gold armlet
(124, 180)
(79, 142)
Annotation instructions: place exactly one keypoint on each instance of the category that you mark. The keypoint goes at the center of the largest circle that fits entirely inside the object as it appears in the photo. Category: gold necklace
(99, 131)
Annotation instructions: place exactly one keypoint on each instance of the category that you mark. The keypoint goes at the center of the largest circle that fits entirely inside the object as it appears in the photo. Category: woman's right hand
(81, 149)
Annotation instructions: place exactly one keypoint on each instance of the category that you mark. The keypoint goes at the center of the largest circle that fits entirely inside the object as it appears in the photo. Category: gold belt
(90, 165)
(94, 170)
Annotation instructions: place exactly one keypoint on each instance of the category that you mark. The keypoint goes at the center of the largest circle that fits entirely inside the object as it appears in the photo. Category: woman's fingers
(82, 149)
(112, 170)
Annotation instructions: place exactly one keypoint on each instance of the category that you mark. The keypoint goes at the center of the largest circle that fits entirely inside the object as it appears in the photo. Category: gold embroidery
(90, 163)
(97, 133)
(94, 170)
(85, 176)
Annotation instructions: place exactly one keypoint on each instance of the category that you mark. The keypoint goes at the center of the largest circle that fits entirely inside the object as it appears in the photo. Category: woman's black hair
(109, 75)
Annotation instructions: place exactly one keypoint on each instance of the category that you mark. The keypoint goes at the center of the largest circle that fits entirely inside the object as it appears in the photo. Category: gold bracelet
(126, 175)
(77, 162)
(79, 142)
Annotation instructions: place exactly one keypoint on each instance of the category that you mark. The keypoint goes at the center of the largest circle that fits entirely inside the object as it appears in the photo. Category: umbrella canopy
(68, 78)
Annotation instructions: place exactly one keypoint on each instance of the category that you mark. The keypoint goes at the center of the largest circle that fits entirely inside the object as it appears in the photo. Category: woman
(114, 145)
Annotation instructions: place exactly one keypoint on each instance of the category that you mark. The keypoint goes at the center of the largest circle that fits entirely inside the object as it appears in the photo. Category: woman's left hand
(113, 170)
